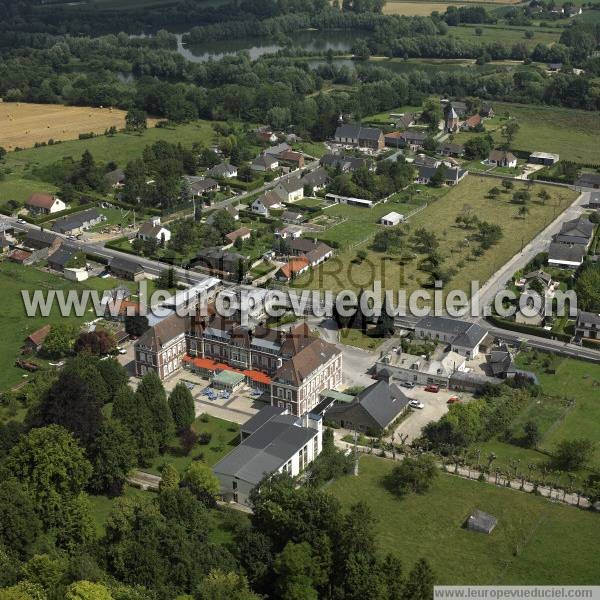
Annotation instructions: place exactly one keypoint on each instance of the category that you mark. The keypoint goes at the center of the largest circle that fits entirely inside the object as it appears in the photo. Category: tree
(419, 583)
(218, 585)
(151, 394)
(99, 342)
(136, 325)
(54, 470)
(181, 403)
(2, 153)
(587, 287)
(413, 475)
(24, 590)
(59, 341)
(509, 131)
(494, 192)
(136, 120)
(477, 148)
(532, 434)
(202, 482)
(170, 478)
(166, 279)
(523, 211)
(385, 321)
(112, 454)
(432, 113)
(507, 184)
(296, 572)
(439, 177)
(571, 455)
(544, 196)
(86, 590)
(114, 375)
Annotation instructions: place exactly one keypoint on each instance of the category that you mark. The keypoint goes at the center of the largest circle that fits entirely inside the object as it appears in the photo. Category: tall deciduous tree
(182, 408)
(151, 394)
(419, 583)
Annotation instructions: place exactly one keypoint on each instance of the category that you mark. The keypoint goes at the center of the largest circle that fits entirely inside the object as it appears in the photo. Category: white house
(502, 158)
(264, 162)
(269, 200)
(223, 171)
(462, 337)
(391, 219)
(272, 441)
(46, 204)
(153, 230)
(290, 190)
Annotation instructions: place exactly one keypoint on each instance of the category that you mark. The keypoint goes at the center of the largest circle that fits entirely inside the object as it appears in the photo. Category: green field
(535, 541)
(15, 324)
(573, 134)
(342, 272)
(505, 35)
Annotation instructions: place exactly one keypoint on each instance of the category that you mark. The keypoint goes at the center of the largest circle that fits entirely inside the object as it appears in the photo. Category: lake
(310, 41)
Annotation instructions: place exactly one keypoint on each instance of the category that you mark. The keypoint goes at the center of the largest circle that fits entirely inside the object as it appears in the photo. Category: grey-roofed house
(115, 178)
(588, 180)
(356, 135)
(464, 337)
(481, 522)
(78, 222)
(577, 231)
(264, 415)
(543, 158)
(220, 262)
(451, 149)
(372, 411)
(452, 175)
(588, 325)
(289, 216)
(223, 171)
(126, 269)
(414, 139)
(38, 239)
(264, 162)
(316, 180)
(59, 259)
(200, 186)
(346, 164)
(278, 442)
(563, 255)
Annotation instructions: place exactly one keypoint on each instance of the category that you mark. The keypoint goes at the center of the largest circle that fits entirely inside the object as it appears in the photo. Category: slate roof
(278, 149)
(115, 176)
(260, 418)
(588, 317)
(292, 217)
(38, 238)
(267, 449)
(577, 231)
(162, 332)
(291, 185)
(76, 221)
(318, 177)
(501, 156)
(62, 256)
(591, 180)
(126, 266)
(306, 361)
(539, 274)
(345, 163)
(269, 199)
(451, 148)
(565, 253)
(222, 170)
(465, 334)
(450, 173)
(150, 230)
(357, 132)
(414, 136)
(200, 185)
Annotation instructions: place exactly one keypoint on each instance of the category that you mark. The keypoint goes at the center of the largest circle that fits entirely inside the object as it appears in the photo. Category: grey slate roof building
(588, 180)
(481, 521)
(77, 222)
(373, 409)
(38, 239)
(318, 178)
(344, 163)
(577, 231)
(565, 255)
(126, 269)
(223, 170)
(276, 441)
(463, 336)
(356, 134)
(59, 259)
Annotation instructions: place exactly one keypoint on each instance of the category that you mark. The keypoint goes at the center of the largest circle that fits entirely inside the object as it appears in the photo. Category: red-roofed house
(35, 340)
(472, 122)
(295, 267)
(44, 204)
(243, 233)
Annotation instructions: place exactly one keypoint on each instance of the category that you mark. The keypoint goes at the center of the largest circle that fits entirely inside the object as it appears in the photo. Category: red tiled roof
(19, 255)
(294, 266)
(241, 232)
(37, 337)
(120, 307)
(212, 365)
(473, 121)
(40, 200)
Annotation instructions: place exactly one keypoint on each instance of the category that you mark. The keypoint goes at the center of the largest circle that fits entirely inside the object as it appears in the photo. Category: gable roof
(222, 169)
(199, 185)
(124, 265)
(150, 230)
(357, 132)
(115, 176)
(278, 149)
(265, 160)
(162, 333)
(293, 266)
(38, 238)
(40, 200)
(501, 156)
(62, 255)
(238, 233)
(588, 317)
(269, 199)
(465, 334)
(291, 185)
(75, 221)
(564, 253)
(300, 366)
(318, 177)
(39, 335)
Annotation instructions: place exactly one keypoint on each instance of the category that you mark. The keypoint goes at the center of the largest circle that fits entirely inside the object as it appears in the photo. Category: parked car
(416, 404)
(453, 400)
(432, 388)
(407, 384)
(122, 350)
(22, 221)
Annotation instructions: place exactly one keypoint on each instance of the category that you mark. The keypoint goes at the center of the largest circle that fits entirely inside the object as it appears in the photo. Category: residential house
(36, 239)
(290, 190)
(415, 140)
(119, 309)
(486, 111)
(115, 178)
(543, 158)
(394, 139)
(270, 200)
(19, 256)
(293, 268)
(223, 171)
(200, 186)
(465, 338)
(291, 159)
(289, 231)
(34, 341)
(451, 149)
(363, 137)
(588, 326)
(153, 230)
(459, 107)
(220, 263)
(588, 180)
(502, 158)
(162, 347)
(126, 269)
(576, 232)
(316, 252)
(315, 180)
(373, 410)
(266, 136)
(404, 121)
(243, 233)
(291, 217)
(264, 162)
(78, 222)
(346, 164)
(563, 255)
(277, 150)
(452, 175)
(61, 257)
(391, 219)
(279, 443)
(44, 204)
(500, 364)
(472, 122)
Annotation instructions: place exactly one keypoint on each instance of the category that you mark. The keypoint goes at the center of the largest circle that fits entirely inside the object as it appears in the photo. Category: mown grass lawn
(16, 188)
(343, 272)
(355, 337)
(506, 35)
(534, 542)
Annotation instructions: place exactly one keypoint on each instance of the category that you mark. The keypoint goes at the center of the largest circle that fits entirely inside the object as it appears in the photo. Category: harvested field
(23, 124)
(424, 9)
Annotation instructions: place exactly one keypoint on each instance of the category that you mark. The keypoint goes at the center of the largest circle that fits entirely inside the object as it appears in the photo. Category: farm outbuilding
(481, 521)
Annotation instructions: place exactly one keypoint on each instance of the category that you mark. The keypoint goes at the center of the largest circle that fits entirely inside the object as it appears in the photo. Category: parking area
(435, 407)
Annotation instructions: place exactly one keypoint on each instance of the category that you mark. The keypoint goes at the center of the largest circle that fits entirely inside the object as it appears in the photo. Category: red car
(453, 400)
(433, 388)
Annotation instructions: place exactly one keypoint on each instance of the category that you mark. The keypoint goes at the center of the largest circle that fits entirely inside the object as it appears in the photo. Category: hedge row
(530, 329)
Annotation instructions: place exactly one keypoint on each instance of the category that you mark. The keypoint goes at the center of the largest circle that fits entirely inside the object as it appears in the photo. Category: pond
(312, 41)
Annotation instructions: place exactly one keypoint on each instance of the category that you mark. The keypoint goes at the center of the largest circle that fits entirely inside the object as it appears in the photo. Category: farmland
(506, 35)
(522, 549)
(345, 272)
(23, 124)
(416, 9)
(571, 133)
